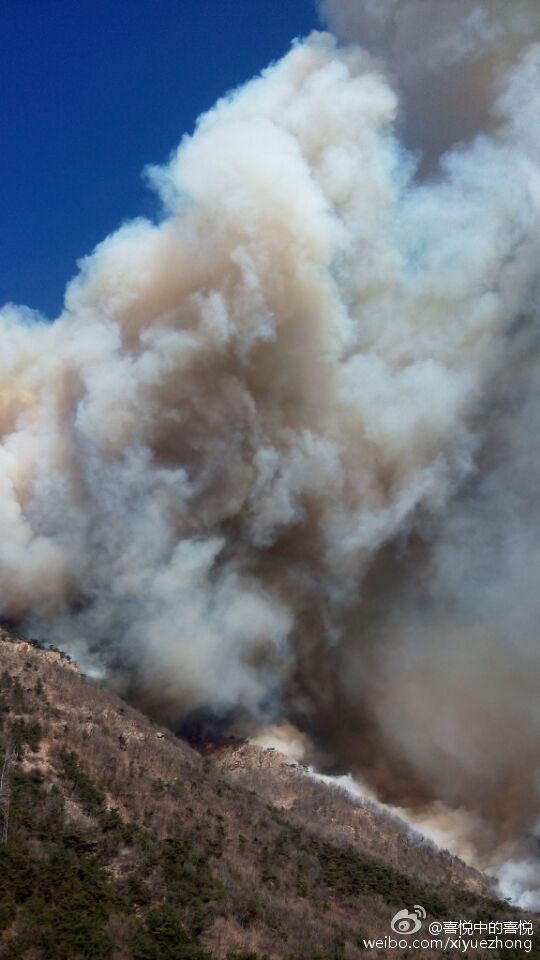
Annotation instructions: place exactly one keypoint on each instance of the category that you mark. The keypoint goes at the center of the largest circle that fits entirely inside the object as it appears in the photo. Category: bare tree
(5, 792)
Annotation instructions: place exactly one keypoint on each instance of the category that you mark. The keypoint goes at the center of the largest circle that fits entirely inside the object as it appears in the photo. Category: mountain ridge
(125, 842)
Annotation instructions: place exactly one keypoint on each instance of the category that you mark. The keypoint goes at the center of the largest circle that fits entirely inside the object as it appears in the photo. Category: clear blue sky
(91, 91)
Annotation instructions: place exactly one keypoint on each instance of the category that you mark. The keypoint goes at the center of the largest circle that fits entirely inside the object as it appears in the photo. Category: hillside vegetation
(120, 841)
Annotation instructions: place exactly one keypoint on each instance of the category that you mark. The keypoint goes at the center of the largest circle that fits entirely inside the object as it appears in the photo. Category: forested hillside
(120, 841)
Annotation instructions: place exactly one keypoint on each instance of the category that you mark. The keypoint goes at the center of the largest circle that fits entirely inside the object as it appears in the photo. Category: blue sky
(91, 91)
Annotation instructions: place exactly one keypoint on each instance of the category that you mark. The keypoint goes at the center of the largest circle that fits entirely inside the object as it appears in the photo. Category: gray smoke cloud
(447, 57)
(276, 461)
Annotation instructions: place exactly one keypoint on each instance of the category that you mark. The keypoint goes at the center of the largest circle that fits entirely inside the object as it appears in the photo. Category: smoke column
(277, 460)
(447, 58)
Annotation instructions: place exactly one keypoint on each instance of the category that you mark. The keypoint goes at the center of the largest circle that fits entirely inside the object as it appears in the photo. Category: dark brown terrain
(121, 841)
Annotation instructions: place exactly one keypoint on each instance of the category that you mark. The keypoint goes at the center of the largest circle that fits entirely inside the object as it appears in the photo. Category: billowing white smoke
(276, 459)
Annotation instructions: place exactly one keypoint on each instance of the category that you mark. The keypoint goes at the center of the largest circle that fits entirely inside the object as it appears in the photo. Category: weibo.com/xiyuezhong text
(412, 933)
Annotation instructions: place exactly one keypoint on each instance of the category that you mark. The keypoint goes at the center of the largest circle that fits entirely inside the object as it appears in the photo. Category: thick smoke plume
(277, 459)
(447, 56)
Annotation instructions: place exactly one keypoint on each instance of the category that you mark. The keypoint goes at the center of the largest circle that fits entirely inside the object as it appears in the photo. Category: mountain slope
(124, 842)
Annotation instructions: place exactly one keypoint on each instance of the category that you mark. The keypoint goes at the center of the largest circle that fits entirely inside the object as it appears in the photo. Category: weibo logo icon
(408, 921)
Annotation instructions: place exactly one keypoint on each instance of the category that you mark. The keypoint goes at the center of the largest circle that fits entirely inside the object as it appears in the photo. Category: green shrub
(351, 875)
(162, 937)
(91, 797)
